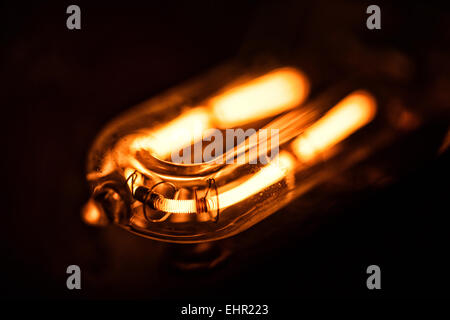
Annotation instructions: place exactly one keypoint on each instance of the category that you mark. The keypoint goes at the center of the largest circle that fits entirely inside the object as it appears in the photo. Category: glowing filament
(267, 176)
(268, 95)
(177, 134)
(350, 114)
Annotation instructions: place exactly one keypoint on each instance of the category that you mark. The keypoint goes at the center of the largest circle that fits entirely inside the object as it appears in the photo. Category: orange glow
(176, 206)
(353, 112)
(266, 96)
(91, 213)
(175, 135)
(268, 175)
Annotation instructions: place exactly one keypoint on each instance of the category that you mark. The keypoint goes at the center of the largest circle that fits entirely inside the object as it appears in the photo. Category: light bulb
(210, 200)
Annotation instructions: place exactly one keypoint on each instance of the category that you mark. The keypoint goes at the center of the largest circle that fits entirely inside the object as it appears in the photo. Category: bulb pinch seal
(198, 205)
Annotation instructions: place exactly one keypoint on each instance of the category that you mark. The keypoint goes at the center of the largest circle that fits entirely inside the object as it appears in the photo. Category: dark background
(61, 86)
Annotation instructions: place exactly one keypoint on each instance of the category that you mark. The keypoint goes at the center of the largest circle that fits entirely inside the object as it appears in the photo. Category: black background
(61, 86)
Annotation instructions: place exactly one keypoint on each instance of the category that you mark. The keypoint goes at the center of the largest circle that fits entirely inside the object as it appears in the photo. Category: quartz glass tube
(136, 184)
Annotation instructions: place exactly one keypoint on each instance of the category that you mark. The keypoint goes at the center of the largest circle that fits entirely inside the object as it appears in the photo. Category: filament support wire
(156, 201)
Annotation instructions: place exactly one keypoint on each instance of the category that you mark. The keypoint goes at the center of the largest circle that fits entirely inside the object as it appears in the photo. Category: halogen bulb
(137, 185)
